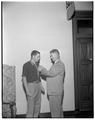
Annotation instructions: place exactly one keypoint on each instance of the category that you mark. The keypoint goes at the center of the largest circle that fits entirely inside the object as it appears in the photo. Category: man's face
(53, 57)
(37, 58)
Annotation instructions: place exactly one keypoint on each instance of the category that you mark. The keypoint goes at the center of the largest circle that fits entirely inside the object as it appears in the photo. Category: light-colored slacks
(34, 101)
(55, 102)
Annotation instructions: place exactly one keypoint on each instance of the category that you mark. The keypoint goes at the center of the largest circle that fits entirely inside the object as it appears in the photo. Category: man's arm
(25, 85)
(24, 79)
(54, 72)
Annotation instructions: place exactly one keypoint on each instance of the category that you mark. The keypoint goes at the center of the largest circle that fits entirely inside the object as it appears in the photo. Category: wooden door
(83, 60)
(85, 73)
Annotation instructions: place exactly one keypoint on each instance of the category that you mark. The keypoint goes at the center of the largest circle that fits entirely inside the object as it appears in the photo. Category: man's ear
(33, 57)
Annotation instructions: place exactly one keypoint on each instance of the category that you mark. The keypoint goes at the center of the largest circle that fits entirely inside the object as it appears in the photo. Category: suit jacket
(55, 78)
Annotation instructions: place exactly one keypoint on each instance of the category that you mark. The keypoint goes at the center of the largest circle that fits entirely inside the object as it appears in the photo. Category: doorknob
(90, 59)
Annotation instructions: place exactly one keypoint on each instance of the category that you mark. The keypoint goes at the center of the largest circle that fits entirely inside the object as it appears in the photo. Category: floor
(71, 114)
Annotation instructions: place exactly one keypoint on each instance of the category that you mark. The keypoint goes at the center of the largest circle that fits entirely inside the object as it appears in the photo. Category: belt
(35, 81)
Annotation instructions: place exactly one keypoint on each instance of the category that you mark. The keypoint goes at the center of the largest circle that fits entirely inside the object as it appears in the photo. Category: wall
(41, 26)
(84, 6)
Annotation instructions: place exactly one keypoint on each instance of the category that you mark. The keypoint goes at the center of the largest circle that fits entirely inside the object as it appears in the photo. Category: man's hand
(26, 87)
(42, 89)
(40, 68)
(28, 93)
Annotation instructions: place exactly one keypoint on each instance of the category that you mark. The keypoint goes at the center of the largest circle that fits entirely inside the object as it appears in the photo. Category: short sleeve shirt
(30, 72)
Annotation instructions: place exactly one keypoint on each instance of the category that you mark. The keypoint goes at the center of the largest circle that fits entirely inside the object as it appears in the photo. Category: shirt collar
(57, 60)
(32, 62)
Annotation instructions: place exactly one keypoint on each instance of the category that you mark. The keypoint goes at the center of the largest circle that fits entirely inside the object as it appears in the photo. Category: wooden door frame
(77, 15)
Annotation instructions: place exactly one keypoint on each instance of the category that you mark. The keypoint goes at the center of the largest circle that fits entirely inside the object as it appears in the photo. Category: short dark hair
(55, 51)
(34, 52)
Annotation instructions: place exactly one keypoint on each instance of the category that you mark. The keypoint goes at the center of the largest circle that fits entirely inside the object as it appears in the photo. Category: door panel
(85, 73)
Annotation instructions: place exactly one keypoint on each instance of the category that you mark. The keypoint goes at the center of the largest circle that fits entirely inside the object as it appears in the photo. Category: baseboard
(41, 115)
(67, 114)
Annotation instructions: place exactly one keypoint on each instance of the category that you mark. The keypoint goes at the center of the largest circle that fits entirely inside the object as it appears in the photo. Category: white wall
(41, 26)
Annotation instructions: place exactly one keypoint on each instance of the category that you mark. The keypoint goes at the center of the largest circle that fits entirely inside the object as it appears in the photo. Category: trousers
(55, 102)
(34, 101)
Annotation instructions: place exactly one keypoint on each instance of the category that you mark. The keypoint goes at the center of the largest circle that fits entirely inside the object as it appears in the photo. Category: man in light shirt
(55, 83)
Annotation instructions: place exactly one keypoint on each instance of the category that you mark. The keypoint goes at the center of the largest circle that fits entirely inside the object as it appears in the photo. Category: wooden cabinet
(83, 59)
